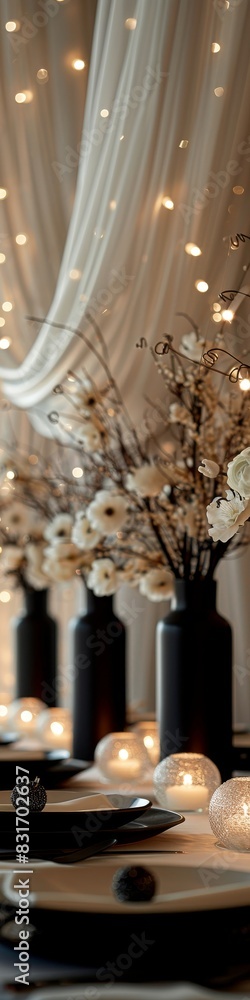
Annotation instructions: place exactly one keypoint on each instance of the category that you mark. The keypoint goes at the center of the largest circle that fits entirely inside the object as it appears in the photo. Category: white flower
(192, 347)
(59, 528)
(157, 585)
(62, 550)
(11, 558)
(89, 436)
(17, 519)
(226, 516)
(238, 474)
(208, 468)
(107, 513)
(60, 569)
(85, 395)
(147, 480)
(83, 534)
(102, 578)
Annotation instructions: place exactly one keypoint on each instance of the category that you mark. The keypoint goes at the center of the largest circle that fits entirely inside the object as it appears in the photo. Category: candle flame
(123, 754)
(187, 780)
(245, 809)
(148, 742)
(26, 716)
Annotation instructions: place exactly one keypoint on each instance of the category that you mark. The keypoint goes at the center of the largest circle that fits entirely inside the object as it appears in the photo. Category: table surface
(193, 839)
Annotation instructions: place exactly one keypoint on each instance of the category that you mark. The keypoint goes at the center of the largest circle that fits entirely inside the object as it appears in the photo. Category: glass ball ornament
(149, 733)
(229, 814)
(54, 728)
(186, 782)
(122, 757)
(23, 714)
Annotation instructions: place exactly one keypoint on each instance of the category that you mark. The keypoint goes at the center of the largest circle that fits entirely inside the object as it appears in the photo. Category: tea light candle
(186, 782)
(229, 814)
(187, 796)
(121, 757)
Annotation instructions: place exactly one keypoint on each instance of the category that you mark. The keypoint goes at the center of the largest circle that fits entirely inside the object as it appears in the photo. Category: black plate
(52, 767)
(50, 830)
(154, 821)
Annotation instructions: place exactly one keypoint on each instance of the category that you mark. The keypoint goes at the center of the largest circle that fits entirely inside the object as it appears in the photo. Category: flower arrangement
(141, 513)
(137, 508)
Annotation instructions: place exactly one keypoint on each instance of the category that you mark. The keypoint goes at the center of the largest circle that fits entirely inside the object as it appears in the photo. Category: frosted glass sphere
(54, 728)
(149, 733)
(23, 714)
(186, 782)
(122, 757)
(229, 814)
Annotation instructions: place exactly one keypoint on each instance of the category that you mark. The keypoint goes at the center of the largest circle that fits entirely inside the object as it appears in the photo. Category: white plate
(87, 887)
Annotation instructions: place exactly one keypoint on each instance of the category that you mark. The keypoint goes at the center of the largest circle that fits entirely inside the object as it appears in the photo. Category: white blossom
(147, 480)
(192, 347)
(107, 513)
(17, 519)
(60, 527)
(84, 536)
(238, 473)
(103, 579)
(227, 515)
(11, 558)
(157, 585)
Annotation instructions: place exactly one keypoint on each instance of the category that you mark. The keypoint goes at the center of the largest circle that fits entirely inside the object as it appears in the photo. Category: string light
(2, 258)
(201, 286)
(168, 203)
(21, 239)
(130, 23)
(104, 113)
(4, 596)
(183, 143)
(216, 307)
(77, 472)
(3, 193)
(2, 321)
(219, 91)
(74, 274)
(12, 26)
(193, 250)
(4, 343)
(238, 189)
(7, 306)
(78, 64)
(216, 317)
(42, 75)
(227, 315)
(215, 47)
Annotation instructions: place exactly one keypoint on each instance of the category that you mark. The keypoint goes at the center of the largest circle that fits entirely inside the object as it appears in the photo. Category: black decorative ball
(36, 798)
(133, 884)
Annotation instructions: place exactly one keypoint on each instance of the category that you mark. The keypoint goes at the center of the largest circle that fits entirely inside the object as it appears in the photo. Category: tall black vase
(194, 677)
(99, 697)
(35, 649)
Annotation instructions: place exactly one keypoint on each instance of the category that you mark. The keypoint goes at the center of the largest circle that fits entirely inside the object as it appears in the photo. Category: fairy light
(201, 285)
(4, 343)
(215, 47)
(193, 250)
(216, 317)
(42, 75)
(4, 596)
(238, 189)
(219, 91)
(112, 205)
(12, 26)
(10, 474)
(227, 315)
(78, 64)
(3, 193)
(168, 203)
(183, 143)
(56, 728)
(2, 258)
(216, 307)
(2, 321)
(74, 274)
(104, 113)
(77, 472)
(130, 23)
(7, 306)
(244, 384)
(24, 97)
(21, 239)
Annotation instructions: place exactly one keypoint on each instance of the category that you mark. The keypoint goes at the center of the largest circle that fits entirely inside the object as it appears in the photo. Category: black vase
(99, 697)
(35, 649)
(194, 677)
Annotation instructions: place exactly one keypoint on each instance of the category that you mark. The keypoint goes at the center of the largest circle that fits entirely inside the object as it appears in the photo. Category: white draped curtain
(87, 163)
